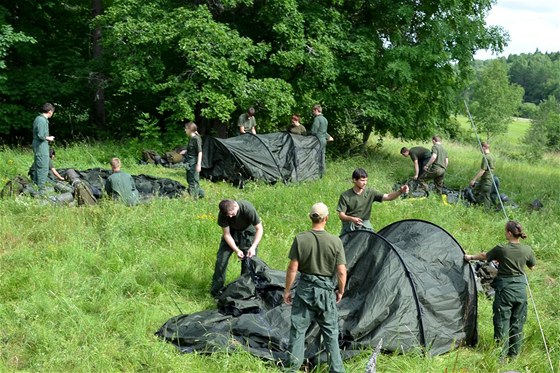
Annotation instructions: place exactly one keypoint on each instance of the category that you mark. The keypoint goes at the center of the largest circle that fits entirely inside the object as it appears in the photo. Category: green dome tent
(271, 157)
(408, 285)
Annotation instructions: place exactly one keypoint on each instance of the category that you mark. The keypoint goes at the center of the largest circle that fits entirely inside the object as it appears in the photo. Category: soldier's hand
(404, 189)
(50, 138)
(415, 177)
(198, 168)
(240, 254)
(338, 296)
(472, 183)
(251, 252)
(357, 221)
(287, 296)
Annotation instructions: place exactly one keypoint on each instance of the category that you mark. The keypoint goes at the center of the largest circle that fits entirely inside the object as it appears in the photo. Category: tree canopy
(383, 66)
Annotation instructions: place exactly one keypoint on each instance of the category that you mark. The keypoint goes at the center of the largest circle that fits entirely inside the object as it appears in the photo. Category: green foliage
(84, 289)
(528, 110)
(545, 129)
(494, 100)
(537, 73)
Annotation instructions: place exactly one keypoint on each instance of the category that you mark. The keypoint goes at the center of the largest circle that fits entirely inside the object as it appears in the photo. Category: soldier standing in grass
(120, 185)
(319, 129)
(483, 189)
(247, 122)
(420, 157)
(510, 301)
(318, 256)
(354, 205)
(194, 160)
(242, 232)
(436, 166)
(41, 139)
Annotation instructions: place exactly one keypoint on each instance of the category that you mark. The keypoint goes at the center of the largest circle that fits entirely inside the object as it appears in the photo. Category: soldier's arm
(477, 176)
(341, 275)
(56, 174)
(258, 236)
(231, 242)
(481, 256)
(432, 160)
(416, 169)
(393, 195)
(291, 273)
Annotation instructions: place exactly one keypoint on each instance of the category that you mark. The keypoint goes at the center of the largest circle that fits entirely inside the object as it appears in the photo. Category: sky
(531, 24)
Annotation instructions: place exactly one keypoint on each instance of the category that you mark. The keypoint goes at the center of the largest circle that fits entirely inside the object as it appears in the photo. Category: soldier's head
(360, 178)
(228, 207)
(514, 230)
(436, 139)
(485, 147)
(319, 213)
(115, 164)
(191, 128)
(47, 109)
(52, 153)
(405, 151)
(251, 111)
(317, 109)
(295, 120)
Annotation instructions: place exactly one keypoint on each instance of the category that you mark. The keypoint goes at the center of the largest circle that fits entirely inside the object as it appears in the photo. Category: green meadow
(83, 289)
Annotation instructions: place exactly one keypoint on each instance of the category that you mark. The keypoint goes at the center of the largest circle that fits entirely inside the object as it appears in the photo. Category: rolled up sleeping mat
(65, 198)
(72, 175)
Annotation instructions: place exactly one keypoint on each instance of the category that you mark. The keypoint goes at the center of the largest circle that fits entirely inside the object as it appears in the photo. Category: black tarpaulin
(270, 157)
(408, 285)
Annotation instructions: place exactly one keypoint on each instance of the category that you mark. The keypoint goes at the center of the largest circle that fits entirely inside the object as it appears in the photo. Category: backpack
(151, 157)
(173, 157)
(83, 194)
(17, 186)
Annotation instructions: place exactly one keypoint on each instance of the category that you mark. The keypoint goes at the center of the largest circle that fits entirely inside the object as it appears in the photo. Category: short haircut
(191, 126)
(226, 206)
(251, 111)
(52, 153)
(404, 149)
(47, 107)
(436, 138)
(295, 117)
(318, 108)
(115, 162)
(359, 173)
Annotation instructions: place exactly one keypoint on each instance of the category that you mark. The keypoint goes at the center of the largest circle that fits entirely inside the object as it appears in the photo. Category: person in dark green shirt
(296, 128)
(317, 255)
(41, 139)
(419, 156)
(483, 189)
(436, 166)
(247, 123)
(194, 160)
(354, 205)
(319, 129)
(120, 185)
(510, 301)
(242, 231)
(53, 173)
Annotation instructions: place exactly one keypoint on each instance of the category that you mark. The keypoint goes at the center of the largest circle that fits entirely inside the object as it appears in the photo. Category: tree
(537, 73)
(494, 100)
(545, 127)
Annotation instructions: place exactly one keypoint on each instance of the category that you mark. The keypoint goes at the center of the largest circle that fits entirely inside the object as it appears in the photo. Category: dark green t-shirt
(317, 253)
(246, 122)
(419, 153)
(513, 257)
(246, 217)
(441, 155)
(121, 186)
(320, 127)
(358, 205)
(194, 147)
(297, 130)
(490, 167)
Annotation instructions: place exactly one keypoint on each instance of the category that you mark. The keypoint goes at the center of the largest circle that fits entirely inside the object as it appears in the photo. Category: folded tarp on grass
(269, 157)
(408, 285)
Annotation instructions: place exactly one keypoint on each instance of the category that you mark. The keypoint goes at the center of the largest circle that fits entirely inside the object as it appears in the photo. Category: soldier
(317, 255)
(483, 189)
(420, 157)
(354, 205)
(247, 122)
(242, 231)
(319, 129)
(436, 166)
(296, 128)
(510, 301)
(53, 173)
(194, 160)
(41, 139)
(120, 185)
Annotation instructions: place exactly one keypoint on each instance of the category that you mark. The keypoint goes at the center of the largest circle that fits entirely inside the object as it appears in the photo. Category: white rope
(507, 219)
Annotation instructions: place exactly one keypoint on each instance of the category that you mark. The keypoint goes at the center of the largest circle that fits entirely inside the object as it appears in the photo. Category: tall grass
(84, 289)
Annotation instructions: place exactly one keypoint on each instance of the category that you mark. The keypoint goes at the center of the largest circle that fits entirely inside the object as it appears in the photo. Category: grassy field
(84, 289)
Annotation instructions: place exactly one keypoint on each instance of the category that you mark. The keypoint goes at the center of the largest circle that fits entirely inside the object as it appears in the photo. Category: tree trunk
(368, 129)
(97, 79)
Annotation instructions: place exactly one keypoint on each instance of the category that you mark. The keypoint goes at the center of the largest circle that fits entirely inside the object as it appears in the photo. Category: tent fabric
(269, 157)
(407, 285)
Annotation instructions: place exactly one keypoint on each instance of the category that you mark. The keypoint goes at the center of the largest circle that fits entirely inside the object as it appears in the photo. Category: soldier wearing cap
(317, 255)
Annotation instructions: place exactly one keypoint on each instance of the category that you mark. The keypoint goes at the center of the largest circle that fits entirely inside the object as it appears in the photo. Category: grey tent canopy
(269, 157)
(408, 285)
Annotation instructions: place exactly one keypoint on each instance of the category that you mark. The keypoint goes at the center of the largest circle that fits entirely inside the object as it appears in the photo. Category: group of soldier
(317, 255)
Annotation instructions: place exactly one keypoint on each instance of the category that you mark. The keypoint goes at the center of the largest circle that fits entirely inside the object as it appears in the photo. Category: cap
(319, 210)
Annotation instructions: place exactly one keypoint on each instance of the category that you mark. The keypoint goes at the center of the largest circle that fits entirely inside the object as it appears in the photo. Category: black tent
(408, 285)
(270, 157)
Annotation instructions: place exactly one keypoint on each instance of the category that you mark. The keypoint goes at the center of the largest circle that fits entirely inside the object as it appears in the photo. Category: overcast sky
(531, 24)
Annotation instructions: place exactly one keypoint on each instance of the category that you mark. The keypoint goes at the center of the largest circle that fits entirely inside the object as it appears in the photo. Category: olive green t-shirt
(441, 155)
(246, 217)
(246, 122)
(297, 130)
(317, 253)
(194, 147)
(358, 205)
(320, 127)
(419, 153)
(490, 167)
(121, 186)
(513, 257)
